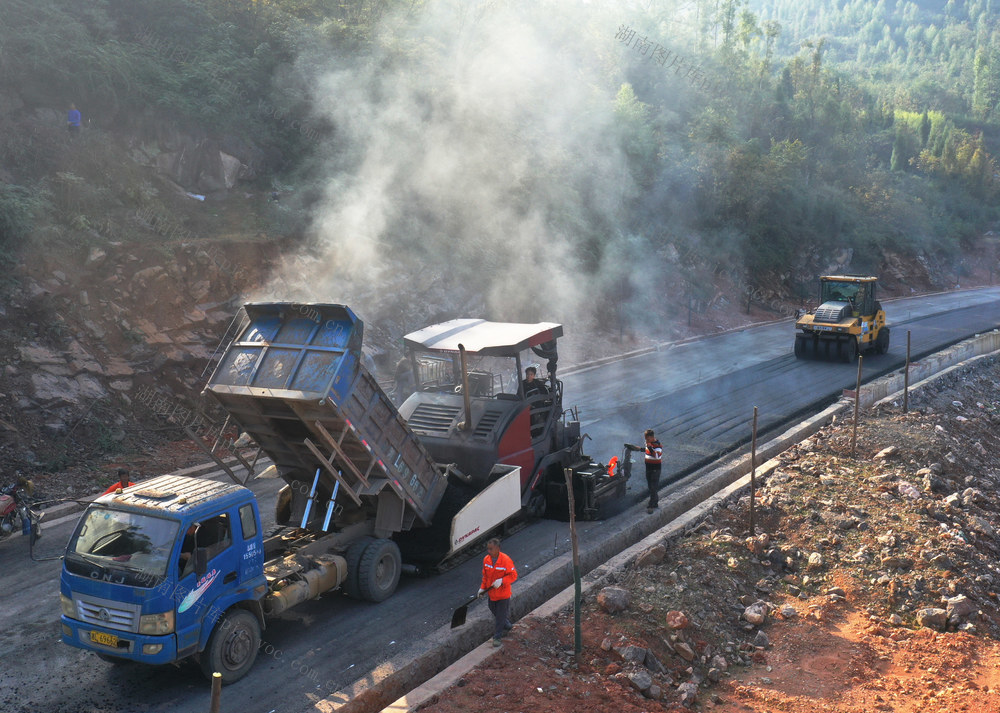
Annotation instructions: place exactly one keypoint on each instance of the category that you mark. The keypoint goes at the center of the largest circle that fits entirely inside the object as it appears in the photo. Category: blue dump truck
(178, 567)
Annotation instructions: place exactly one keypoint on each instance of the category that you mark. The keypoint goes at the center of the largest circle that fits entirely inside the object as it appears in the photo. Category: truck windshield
(839, 291)
(488, 375)
(124, 540)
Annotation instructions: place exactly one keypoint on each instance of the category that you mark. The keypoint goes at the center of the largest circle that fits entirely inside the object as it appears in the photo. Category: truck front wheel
(283, 506)
(232, 647)
(378, 572)
(353, 556)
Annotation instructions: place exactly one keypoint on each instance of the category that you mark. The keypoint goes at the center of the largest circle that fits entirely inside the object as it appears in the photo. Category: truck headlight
(68, 608)
(155, 624)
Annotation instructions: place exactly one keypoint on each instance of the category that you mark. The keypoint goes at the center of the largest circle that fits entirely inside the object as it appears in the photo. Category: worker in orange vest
(654, 463)
(498, 575)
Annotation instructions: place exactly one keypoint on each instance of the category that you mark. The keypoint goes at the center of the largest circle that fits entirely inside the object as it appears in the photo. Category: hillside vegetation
(630, 171)
(763, 137)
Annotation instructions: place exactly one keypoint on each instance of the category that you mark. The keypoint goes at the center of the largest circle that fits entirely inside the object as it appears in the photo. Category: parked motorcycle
(15, 502)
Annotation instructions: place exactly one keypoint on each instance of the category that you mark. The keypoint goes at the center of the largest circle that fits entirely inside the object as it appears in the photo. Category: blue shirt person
(73, 119)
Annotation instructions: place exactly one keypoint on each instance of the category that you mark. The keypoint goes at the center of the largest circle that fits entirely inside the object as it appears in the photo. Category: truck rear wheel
(232, 647)
(353, 556)
(378, 573)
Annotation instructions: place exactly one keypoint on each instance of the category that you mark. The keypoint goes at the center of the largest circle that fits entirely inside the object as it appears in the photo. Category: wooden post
(753, 474)
(577, 586)
(216, 692)
(857, 403)
(906, 375)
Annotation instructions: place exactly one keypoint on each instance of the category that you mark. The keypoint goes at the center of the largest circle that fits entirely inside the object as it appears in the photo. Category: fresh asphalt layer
(335, 653)
(686, 508)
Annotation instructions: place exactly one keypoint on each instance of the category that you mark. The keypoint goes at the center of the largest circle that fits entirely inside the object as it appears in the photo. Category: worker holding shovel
(498, 575)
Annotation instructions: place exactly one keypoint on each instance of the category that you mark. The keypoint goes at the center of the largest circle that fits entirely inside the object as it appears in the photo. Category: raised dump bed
(294, 380)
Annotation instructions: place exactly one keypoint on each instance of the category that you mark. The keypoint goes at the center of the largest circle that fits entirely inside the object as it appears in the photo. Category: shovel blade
(459, 615)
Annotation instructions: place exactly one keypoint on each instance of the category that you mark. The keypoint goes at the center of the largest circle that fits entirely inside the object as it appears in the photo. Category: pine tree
(898, 160)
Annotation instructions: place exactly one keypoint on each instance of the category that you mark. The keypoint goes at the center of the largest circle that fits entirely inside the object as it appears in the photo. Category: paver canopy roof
(481, 337)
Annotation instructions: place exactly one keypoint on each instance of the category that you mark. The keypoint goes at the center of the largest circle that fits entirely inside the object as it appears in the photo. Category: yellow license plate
(99, 637)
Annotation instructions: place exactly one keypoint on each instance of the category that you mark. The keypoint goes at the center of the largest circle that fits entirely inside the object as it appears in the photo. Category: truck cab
(164, 570)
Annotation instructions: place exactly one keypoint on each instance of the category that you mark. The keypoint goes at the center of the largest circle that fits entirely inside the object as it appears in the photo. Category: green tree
(19, 206)
(904, 147)
(748, 31)
(984, 90)
(726, 19)
(637, 135)
(925, 128)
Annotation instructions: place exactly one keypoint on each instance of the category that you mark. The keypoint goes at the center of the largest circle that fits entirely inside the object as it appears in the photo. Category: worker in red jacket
(123, 482)
(654, 462)
(498, 575)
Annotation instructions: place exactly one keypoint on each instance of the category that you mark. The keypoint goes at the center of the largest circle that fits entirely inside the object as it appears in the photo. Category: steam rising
(477, 169)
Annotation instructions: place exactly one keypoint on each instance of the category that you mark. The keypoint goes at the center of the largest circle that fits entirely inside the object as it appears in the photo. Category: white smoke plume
(477, 168)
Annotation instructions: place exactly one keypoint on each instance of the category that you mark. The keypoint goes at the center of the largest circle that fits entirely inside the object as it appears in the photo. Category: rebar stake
(857, 403)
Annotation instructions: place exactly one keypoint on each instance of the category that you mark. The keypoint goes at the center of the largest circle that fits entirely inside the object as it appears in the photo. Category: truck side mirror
(200, 560)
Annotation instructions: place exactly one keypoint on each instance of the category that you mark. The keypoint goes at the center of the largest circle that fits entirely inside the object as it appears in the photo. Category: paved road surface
(698, 396)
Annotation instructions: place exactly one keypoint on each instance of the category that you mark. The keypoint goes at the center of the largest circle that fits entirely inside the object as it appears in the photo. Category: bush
(18, 207)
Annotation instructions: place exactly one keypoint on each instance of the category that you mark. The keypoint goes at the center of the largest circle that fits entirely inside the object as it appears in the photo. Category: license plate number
(99, 637)
(821, 328)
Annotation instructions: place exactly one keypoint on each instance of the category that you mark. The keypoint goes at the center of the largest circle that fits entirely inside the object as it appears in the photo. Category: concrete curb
(931, 366)
(898, 395)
